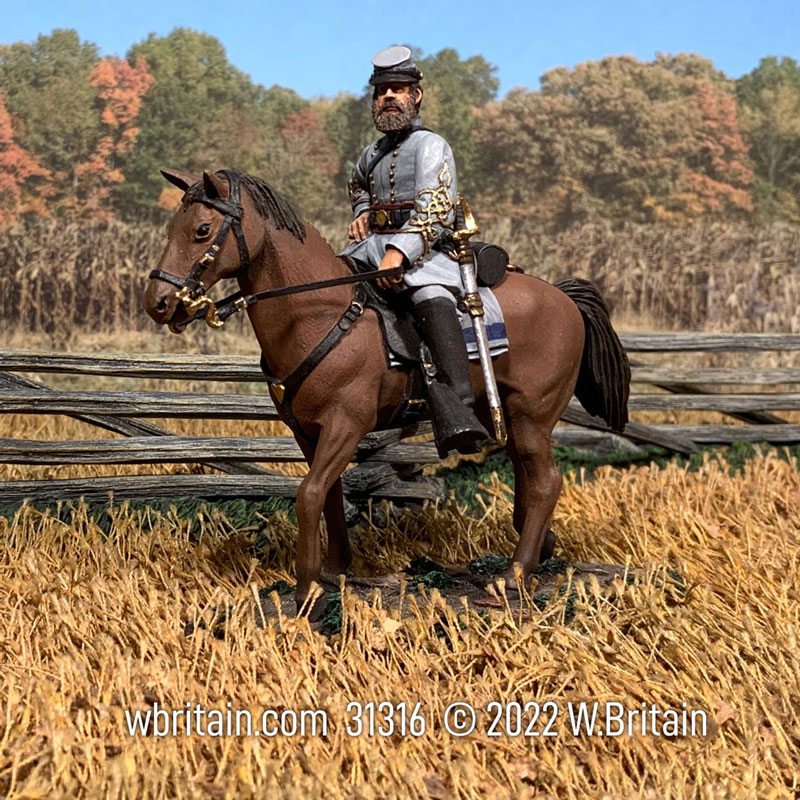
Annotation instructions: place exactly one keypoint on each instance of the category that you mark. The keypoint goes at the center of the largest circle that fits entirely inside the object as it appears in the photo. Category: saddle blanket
(495, 329)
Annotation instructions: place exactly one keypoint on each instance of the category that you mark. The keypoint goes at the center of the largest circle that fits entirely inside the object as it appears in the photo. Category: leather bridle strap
(237, 301)
(232, 211)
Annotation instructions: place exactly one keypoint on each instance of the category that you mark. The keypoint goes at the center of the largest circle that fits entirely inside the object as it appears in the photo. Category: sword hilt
(466, 226)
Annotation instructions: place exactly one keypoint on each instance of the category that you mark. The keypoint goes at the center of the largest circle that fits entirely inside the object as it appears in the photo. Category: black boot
(451, 398)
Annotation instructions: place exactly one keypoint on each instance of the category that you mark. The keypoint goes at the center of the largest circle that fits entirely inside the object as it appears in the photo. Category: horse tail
(605, 375)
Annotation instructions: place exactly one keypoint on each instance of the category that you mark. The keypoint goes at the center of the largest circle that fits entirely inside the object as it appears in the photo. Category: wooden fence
(387, 464)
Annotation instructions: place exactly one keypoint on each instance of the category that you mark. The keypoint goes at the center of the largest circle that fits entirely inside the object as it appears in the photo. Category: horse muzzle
(162, 303)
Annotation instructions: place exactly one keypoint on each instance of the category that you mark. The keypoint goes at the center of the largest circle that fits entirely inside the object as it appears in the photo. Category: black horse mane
(269, 202)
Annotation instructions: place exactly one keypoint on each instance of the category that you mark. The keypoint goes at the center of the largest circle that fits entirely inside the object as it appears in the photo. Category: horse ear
(214, 185)
(177, 177)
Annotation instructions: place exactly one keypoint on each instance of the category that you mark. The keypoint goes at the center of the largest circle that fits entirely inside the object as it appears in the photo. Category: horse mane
(269, 202)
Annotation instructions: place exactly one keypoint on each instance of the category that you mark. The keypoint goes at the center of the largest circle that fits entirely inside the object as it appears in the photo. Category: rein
(192, 292)
(217, 313)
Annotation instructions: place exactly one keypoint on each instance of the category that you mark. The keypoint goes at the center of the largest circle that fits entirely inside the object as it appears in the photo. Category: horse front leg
(340, 555)
(335, 448)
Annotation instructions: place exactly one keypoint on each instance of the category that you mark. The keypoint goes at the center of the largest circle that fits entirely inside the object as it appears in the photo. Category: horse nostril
(162, 304)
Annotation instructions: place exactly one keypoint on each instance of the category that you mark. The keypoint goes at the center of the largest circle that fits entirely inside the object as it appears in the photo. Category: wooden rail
(387, 464)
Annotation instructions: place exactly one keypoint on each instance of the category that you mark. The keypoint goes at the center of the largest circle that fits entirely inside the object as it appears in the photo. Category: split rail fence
(387, 464)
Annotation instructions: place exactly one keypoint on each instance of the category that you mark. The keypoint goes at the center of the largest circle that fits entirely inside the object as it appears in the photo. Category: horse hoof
(312, 611)
(511, 587)
(329, 579)
(548, 547)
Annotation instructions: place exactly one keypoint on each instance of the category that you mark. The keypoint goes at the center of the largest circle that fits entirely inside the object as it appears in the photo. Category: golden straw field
(93, 623)
(106, 615)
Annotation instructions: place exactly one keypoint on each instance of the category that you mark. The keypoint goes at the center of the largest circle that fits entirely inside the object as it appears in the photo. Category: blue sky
(320, 48)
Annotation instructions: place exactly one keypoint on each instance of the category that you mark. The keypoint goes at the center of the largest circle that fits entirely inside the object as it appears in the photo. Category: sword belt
(389, 217)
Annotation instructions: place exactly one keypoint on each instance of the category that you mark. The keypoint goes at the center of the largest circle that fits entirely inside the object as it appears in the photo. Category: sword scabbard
(467, 227)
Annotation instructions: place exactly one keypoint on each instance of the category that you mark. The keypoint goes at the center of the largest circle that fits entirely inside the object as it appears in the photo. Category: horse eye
(203, 231)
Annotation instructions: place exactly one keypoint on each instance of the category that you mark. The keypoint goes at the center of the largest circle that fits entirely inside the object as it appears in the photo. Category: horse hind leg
(537, 488)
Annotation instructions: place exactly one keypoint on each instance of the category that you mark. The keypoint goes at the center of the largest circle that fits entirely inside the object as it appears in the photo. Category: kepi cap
(394, 65)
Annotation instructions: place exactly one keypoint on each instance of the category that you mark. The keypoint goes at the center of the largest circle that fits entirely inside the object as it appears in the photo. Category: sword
(466, 226)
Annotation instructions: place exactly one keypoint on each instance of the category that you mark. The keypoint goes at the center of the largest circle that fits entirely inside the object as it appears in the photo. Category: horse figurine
(560, 340)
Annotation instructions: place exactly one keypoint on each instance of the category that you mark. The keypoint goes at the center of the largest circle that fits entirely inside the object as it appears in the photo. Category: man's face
(394, 106)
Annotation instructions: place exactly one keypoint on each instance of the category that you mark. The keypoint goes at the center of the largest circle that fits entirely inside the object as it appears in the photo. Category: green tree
(348, 123)
(48, 90)
(454, 89)
(202, 112)
(769, 98)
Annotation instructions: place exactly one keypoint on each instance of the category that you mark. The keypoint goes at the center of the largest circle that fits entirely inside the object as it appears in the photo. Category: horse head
(200, 252)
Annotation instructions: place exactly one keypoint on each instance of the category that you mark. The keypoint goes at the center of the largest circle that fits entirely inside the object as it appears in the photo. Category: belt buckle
(381, 218)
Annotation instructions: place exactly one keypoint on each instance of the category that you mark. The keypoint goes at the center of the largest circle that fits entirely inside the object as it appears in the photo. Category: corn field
(60, 282)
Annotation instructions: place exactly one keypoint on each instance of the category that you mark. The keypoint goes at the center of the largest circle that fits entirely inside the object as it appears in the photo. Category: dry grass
(93, 623)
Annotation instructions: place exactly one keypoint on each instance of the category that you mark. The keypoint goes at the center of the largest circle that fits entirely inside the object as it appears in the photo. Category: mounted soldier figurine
(404, 199)
(325, 347)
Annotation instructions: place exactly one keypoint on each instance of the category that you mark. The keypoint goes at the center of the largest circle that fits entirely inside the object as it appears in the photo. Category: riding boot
(450, 397)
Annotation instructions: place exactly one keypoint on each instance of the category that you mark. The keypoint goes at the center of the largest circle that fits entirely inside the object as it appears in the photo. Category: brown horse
(560, 341)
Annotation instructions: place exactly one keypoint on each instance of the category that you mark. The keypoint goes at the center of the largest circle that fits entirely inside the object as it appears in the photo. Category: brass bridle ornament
(196, 307)
(191, 291)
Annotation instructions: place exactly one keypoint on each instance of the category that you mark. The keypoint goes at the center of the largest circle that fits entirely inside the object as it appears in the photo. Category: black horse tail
(605, 375)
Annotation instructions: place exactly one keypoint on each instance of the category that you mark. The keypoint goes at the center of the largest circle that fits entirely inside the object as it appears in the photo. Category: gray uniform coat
(420, 169)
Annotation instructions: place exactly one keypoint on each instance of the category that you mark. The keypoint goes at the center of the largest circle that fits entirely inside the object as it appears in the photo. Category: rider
(403, 194)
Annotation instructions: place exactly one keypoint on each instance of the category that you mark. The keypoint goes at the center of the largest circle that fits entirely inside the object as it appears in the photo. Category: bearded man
(403, 194)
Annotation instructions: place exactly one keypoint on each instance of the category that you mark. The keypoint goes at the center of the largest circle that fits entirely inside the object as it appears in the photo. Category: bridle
(191, 290)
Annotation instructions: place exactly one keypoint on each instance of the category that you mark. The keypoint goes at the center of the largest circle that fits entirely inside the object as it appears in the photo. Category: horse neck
(289, 328)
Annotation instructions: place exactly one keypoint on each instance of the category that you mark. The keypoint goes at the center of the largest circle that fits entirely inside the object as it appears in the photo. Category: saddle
(402, 344)
(401, 339)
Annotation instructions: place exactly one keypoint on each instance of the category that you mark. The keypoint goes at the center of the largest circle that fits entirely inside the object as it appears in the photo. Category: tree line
(670, 140)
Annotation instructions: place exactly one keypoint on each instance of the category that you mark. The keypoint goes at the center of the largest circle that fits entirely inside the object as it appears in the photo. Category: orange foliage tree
(121, 86)
(19, 191)
(620, 139)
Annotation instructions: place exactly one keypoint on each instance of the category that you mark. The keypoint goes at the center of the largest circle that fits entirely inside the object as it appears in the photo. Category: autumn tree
(47, 88)
(121, 86)
(617, 138)
(18, 173)
(303, 163)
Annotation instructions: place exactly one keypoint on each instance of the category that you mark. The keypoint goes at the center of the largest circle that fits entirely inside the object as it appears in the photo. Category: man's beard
(387, 122)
